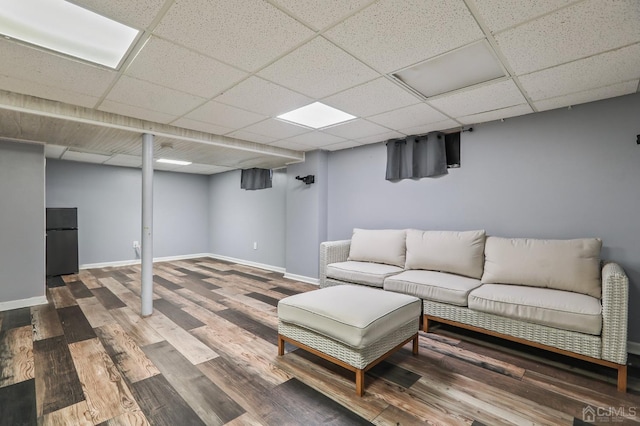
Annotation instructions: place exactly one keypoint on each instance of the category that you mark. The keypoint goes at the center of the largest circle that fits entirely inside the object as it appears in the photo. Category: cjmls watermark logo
(591, 414)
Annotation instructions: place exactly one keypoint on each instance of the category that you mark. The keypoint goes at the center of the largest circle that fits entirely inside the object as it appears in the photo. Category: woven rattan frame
(332, 252)
(571, 341)
(358, 358)
(615, 302)
(610, 348)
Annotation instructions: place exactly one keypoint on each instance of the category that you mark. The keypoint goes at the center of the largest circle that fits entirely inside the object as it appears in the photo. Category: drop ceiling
(209, 78)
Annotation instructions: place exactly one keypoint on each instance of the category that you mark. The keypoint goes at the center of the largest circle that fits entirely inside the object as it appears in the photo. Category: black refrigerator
(62, 241)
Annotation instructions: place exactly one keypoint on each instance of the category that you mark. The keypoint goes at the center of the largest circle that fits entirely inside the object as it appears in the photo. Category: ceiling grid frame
(496, 49)
(308, 14)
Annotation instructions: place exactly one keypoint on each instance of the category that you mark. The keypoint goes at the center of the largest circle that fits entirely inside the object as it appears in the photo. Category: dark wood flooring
(208, 356)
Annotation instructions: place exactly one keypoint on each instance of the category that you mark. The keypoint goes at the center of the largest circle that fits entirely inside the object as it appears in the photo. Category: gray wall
(22, 257)
(557, 174)
(238, 218)
(306, 214)
(109, 209)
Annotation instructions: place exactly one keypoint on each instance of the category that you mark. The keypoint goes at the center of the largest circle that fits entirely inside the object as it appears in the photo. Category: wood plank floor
(208, 356)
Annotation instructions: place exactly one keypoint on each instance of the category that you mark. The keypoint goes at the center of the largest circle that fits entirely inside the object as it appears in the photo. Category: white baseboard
(633, 347)
(277, 269)
(302, 278)
(119, 263)
(23, 303)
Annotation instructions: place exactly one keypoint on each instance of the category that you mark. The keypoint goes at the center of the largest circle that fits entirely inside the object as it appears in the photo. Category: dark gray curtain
(430, 156)
(399, 159)
(255, 179)
(416, 157)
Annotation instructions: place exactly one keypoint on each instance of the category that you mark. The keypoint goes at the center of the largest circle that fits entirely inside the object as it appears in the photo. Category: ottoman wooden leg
(359, 382)
(280, 346)
(415, 345)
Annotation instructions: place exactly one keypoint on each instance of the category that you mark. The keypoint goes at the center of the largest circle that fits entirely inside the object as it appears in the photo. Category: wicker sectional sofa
(552, 294)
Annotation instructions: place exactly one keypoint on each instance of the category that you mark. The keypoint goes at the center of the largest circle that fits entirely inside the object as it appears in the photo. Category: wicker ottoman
(353, 326)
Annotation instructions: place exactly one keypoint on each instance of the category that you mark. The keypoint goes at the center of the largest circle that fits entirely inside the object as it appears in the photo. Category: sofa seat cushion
(570, 265)
(354, 315)
(554, 308)
(366, 273)
(436, 286)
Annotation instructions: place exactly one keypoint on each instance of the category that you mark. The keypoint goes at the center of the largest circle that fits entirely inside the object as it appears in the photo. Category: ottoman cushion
(354, 315)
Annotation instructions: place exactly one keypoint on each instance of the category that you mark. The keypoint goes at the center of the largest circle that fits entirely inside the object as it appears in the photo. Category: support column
(147, 225)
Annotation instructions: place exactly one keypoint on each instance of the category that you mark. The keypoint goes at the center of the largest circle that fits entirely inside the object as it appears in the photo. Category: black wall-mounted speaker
(309, 179)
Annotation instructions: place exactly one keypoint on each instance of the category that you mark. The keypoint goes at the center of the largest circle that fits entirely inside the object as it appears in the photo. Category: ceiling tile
(276, 129)
(342, 145)
(596, 71)
(588, 96)
(136, 112)
(201, 126)
(47, 92)
(124, 160)
(85, 157)
(224, 115)
(261, 96)
(316, 139)
(201, 56)
(393, 34)
(169, 65)
(292, 145)
(244, 33)
(380, 138)
(498, 114)
(134, 92)
(355, 129)
(568, 34)
(486, 97)
(433, 127)
(54, 151)
(251, 137)
(31, 64)
(322, 13)
(138, 14)
(500, 14)
(408, 116)
(318, 69)
(371, 98)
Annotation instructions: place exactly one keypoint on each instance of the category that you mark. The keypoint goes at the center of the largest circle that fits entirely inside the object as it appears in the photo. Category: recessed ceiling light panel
(176, 162)
(316, 116)
(66, 28)
(454, 70)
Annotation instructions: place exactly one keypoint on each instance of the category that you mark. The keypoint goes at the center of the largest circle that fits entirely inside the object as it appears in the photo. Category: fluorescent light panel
(176, 162)
(66, 28)
(316, 116)
(455, 70)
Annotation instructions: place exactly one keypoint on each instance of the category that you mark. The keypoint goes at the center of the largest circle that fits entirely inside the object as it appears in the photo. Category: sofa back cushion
(570, 265)
(379, 245)
(459, 253)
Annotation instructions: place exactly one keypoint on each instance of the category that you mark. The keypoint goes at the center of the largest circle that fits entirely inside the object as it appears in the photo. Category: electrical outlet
(136, 244)
(255, 245)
